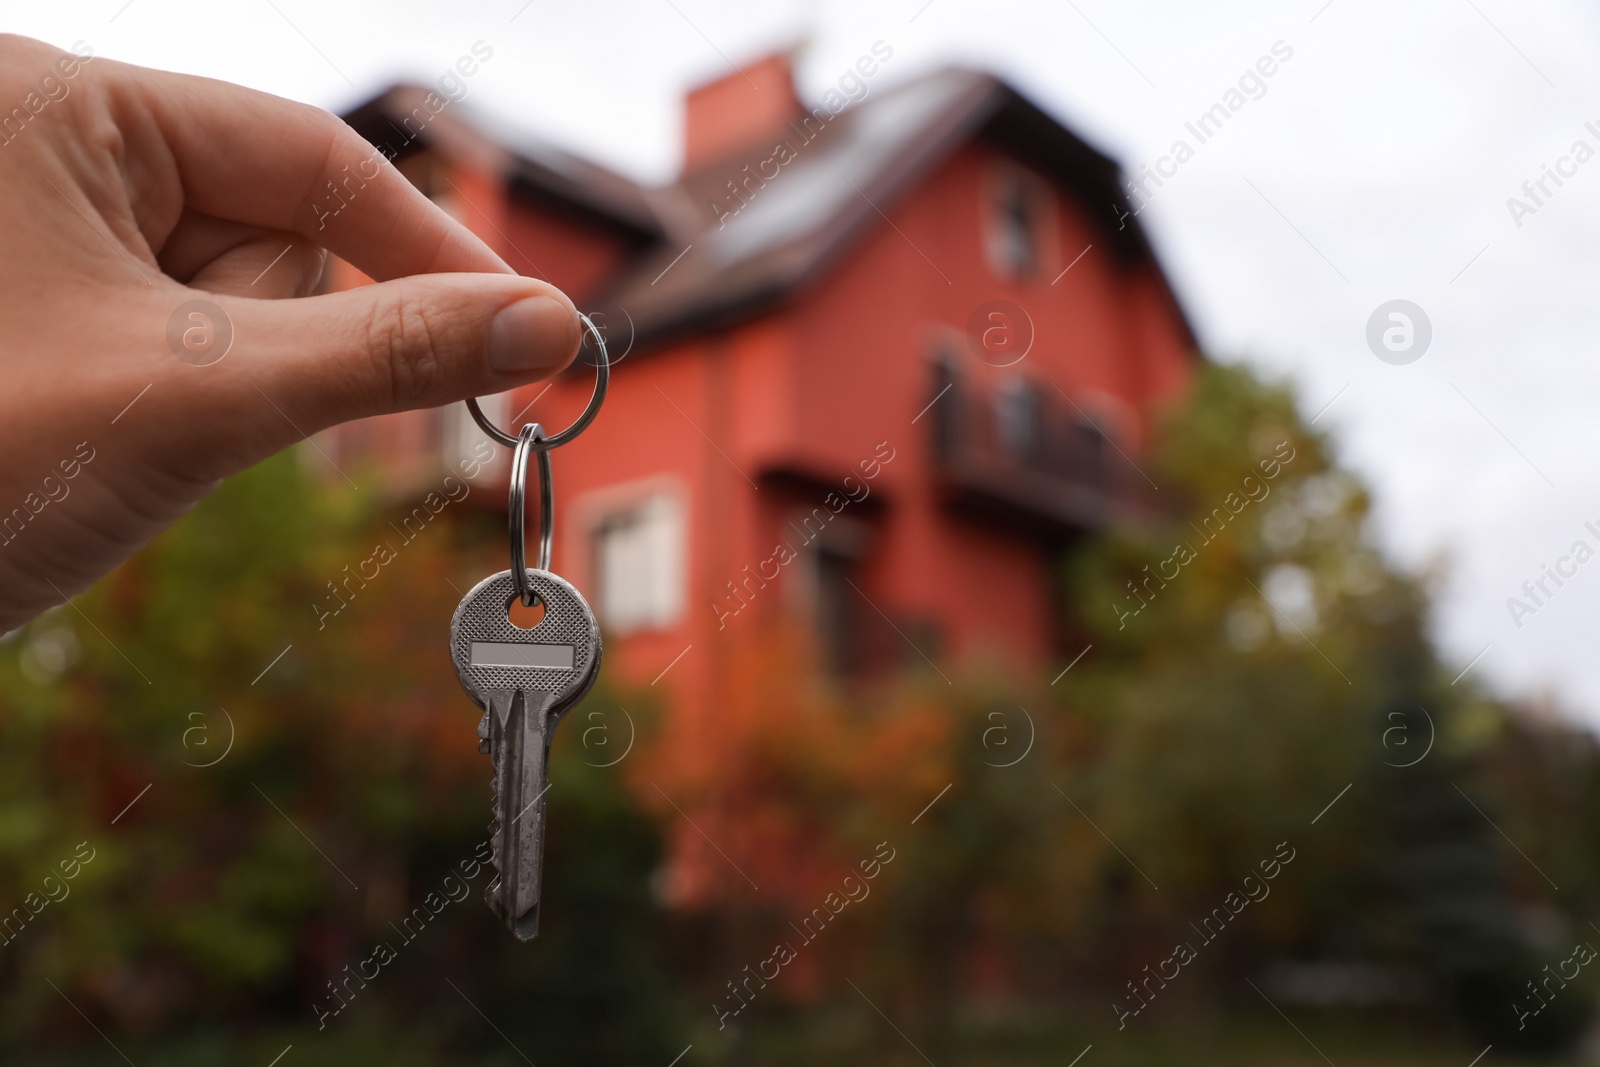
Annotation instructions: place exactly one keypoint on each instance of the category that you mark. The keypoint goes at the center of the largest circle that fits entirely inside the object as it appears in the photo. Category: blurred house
(876, 366)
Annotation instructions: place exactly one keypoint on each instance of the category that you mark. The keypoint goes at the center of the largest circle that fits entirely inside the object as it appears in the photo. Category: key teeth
(525, 927)
(491, 894)
(492, 715)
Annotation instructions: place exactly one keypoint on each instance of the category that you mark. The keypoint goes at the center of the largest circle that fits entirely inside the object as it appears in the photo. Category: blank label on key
(504, 654)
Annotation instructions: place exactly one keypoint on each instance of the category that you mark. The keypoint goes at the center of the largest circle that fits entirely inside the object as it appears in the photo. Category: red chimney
(738, 110)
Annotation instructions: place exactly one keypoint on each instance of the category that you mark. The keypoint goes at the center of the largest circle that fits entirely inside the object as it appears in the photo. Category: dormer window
(1015, 224)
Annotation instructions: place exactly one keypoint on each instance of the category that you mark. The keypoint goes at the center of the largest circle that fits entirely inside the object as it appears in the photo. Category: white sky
(1389, 144)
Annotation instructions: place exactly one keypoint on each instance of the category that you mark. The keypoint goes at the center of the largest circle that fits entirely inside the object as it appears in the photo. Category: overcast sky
(1376, 166)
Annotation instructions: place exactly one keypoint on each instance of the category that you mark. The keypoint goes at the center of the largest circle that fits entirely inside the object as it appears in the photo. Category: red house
(877, 360)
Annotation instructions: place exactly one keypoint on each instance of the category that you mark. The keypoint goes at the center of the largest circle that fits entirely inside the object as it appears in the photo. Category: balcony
(1020, 454)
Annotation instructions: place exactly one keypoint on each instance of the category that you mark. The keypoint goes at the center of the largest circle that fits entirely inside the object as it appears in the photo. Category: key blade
(519, 734)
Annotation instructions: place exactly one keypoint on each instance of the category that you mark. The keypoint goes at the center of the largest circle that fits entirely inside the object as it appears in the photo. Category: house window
(1014, 224)
(838, 612)
(640, 564)
(463, 447)
(1087, 458)
(944, 405)
(1019, 420)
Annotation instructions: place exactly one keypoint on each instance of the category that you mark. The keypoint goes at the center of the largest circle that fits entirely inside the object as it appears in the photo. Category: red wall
(818, 385)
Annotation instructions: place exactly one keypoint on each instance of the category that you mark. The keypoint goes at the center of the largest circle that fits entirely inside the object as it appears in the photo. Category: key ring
(530, 439)
(602, 378)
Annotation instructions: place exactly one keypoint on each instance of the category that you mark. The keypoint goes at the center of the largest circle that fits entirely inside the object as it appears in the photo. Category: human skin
(139, 191)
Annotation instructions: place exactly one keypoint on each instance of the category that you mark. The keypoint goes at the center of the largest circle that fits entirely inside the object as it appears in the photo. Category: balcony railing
(1024, 456)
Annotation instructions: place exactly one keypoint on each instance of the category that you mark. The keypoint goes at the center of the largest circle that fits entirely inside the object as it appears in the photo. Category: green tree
(274, 777)
(1256, 661)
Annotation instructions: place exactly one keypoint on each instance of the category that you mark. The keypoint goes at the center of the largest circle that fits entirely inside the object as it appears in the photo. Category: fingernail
(535, 334)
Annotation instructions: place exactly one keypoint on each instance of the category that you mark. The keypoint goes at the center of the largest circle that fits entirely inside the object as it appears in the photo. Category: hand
(129, 193)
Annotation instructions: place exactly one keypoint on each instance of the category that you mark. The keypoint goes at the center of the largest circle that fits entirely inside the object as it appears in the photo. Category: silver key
(524, 681)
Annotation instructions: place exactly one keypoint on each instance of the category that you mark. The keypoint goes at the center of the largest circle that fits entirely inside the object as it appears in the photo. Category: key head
(559, 656)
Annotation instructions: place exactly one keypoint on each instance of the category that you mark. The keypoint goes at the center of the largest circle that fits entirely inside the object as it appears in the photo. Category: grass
(846, 1035)
(865, 1037)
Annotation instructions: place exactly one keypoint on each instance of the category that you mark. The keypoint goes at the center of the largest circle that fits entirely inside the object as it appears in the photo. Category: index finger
(263, 160)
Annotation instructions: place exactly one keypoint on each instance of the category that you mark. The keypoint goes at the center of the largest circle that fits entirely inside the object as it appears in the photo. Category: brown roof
(697, 271)
(532, 167)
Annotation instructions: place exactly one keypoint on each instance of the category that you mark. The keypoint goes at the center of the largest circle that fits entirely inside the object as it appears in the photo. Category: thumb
(415, 342)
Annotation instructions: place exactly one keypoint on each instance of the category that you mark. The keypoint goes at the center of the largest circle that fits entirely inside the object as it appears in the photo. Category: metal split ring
(602, 378)
(529, 440)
